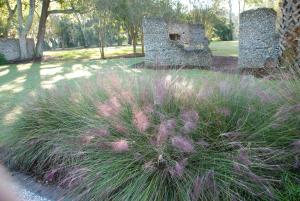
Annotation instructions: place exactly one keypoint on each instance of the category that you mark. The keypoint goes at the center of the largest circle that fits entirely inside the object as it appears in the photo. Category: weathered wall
(258, 39)
(191, 50)
(11, 50)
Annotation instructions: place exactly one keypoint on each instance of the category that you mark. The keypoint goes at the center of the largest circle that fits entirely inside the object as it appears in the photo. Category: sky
(235, 5)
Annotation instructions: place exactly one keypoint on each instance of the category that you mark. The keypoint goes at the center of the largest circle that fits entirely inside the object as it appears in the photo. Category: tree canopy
(86, 23)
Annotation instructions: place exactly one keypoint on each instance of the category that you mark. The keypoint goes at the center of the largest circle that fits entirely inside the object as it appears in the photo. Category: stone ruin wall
(258, 38)
(11, 50)
(192, 35)
(190, 50)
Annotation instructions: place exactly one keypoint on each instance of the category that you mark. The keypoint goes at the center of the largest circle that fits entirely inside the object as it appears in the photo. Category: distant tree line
(99, 23)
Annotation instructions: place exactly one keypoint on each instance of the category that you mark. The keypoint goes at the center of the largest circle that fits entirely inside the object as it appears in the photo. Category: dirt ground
(225, 64)
(220, 63)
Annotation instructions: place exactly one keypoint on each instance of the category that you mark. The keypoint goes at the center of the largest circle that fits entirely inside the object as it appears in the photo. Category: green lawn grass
(224, 48)
(17, 81)
(89, 53)
(219, 48)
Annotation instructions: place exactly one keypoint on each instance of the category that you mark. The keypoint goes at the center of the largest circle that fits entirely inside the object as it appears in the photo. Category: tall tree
(241, 4)
(11, 13)
(290, 31)
(230, 11)
(260, 3)
(42, 28)
(214, 19)
(24, 27)
(81, 28)
(230, 19)
(102, 32)
(131, 13)
(45, 12)
(103, 10)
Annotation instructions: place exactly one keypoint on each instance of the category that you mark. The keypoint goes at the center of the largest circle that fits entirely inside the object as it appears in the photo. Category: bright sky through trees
(235, 5)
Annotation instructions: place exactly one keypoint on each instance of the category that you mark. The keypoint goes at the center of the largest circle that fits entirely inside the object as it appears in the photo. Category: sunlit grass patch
(224, 48)
(90, 53)
(17, 81)
(219, 48)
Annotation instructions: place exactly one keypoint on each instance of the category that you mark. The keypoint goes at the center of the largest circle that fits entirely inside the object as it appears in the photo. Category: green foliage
(2, 59)
(253, 2)
(223, 31)
(117, 20)
(166, 138)
(291, 188)
(224, 48)
(214, 20)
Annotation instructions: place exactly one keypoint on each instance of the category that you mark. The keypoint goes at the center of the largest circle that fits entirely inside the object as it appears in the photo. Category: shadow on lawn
(15, 87)
(86, 55)
(19, 81)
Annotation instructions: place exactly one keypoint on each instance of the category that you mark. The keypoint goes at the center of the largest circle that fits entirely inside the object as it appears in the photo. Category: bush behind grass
(162, 138)
(2, 59)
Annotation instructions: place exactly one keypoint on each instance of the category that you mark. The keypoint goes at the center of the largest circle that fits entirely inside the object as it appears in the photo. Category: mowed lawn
(218, 48)
(18, 81)
(89, 53)
(224, 48)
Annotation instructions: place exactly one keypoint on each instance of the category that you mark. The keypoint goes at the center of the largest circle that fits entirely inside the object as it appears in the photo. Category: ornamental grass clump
(165, 138)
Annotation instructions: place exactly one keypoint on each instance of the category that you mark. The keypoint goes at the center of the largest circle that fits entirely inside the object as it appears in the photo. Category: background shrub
(2, 59)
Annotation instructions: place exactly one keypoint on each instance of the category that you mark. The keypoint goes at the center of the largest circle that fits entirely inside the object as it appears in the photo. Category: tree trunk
(23, 46)
(42, 26)
(81, 30)
(230, 20)
(119, 37)
(134, 38)
(102, 51)
(143, 45)
(8, 25)
(290, 32)
(101, 41)
(134, 42)
(244, 4)
(102, 27)
(230, 11)
(129, 41)
(22, 41)
(42, 29)
(11, 13)
(63, 43)
(101, 45)
(24, 29)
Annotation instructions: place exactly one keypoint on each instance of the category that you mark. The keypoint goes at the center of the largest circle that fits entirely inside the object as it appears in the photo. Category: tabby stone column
(258, 39)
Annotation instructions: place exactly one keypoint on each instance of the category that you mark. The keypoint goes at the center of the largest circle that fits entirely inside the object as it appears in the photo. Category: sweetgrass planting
(162, 138)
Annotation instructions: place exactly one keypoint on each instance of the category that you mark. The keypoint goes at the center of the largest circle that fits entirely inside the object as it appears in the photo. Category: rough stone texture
(258, 39)
(11, 50)
(190, 50)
